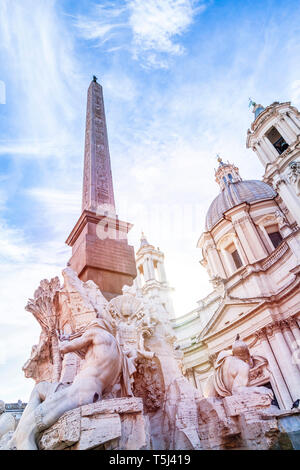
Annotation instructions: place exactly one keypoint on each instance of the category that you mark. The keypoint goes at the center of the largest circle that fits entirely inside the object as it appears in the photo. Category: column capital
(284, 325)
(292, 322)
(262, 334)
(278, 183)
(271, 329)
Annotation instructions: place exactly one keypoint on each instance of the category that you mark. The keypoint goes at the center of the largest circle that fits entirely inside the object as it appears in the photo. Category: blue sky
(176, 75)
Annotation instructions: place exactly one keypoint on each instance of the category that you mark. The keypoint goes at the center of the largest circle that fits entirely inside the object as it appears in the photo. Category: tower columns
(154, 283)
(151, 268)
(284, 358)
(162, 272)
(295, 329)
(215, 261)
(262, 154)
(295, 120)
(292, 125)
(269, 149)
(283, 394)
(146, 270)
(284, 130)
(247, 231)
(289, 196)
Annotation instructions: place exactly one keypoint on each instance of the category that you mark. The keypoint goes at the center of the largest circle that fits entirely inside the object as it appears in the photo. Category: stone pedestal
(114, 424)
(240, 421)
(100, 252)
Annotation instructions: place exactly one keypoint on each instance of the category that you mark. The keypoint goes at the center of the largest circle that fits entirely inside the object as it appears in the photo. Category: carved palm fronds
(44, 308)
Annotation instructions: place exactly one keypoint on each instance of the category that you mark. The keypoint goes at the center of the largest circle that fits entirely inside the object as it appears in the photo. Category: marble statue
(232, 371)
(132, 323)
(7, 420)
(117, 383)
(104, 364)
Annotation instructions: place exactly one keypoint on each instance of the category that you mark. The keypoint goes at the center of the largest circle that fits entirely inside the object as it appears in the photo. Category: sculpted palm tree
(44, 308)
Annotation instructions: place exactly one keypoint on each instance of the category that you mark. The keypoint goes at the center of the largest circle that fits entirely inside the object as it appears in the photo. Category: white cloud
(23, 265)
(44, 90)
(155, 23)
(150, 30)
(12, 244)
(37, 51)
(163, 138)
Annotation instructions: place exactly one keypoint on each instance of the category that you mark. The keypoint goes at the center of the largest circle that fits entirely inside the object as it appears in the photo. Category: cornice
(91, 217)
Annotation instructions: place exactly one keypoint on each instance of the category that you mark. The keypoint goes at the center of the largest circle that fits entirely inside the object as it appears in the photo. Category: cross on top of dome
(256, 108)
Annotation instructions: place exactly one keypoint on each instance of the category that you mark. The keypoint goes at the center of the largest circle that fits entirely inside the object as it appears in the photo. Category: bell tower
(100, 250)
(275, 138)
(151, 275)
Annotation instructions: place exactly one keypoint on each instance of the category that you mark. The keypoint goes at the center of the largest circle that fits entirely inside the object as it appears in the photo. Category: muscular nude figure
(103, 365)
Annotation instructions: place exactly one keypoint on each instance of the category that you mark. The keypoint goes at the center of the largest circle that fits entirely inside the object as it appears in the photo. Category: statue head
(240, 349)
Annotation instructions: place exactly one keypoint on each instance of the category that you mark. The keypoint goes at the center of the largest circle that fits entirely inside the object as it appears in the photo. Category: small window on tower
(274, 235)
(236, 259)
(230, 177)
(277, 140)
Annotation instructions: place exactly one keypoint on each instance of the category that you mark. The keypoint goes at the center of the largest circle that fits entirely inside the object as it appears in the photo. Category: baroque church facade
(251, 251)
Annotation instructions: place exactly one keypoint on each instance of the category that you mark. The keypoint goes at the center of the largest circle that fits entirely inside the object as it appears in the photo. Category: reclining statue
(104, 366)
(232, 371)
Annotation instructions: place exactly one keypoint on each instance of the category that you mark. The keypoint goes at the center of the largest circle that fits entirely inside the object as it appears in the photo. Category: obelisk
(100, 250)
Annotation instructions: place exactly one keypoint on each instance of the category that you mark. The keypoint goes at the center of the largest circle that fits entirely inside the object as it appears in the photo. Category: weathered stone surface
(135, 434)
(114, 405)
(98, 429)
(108, 424)
(149, 383)
(5, 441)
(242, 421)
(216, 429)
(240, 403)
(7, 423)
(180, 420)
(65, 432)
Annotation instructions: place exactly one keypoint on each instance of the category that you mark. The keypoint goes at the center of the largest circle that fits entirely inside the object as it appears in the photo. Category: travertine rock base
(5, 441)
(108, 424)
(241, 421)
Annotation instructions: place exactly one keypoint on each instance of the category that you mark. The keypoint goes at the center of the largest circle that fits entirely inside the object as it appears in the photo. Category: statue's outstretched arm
(77, 343)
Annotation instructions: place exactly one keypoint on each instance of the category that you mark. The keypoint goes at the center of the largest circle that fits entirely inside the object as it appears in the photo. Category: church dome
(233, 194)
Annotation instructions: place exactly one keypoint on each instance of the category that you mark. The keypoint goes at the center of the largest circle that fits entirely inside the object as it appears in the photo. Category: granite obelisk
(100, 250)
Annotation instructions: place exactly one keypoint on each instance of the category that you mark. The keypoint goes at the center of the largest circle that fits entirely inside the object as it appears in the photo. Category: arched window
(277, 140)
(236, 259)
(235, 255)
(270, 230)
(231, 255)
(274, 234)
